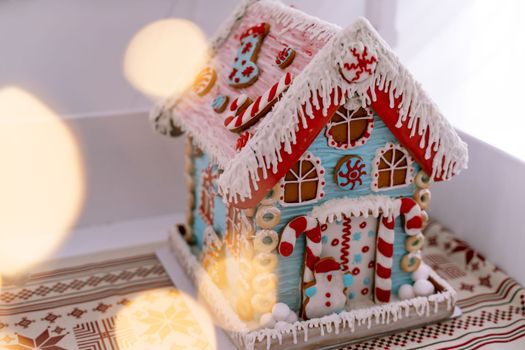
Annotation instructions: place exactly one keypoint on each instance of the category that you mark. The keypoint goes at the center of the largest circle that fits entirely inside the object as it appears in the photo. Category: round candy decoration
(414, 243)
(423, 180)
(285, 57)
(406, 291)
(423, 288)
(267, 217)
(357, 63)
(422, 198)
(349, 172)
(205, 81)
(266, 241)
(410, 262)
(219, 103)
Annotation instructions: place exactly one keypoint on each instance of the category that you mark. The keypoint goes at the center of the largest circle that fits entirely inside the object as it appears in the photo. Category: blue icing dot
(356, 236)
(310, 292)
(366, 280)
(348, 280)
(371, 233)
(351, 295)
(324, 239)
(357, 259)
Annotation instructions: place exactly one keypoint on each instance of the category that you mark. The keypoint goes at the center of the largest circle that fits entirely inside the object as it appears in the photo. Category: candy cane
(312, 230)
(384, 259)
(413, 219)
(259, 107)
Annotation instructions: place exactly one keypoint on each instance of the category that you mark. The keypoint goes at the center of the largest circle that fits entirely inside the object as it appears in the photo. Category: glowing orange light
(164, 57)
(41, 181)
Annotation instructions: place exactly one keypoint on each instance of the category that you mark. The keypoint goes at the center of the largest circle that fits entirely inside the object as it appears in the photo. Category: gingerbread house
(310, 154)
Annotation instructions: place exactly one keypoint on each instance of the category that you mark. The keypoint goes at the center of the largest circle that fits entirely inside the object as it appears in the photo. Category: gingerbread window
(349, 127)
(304, 182)
(207, 195)
(392, 168)
(232, 238)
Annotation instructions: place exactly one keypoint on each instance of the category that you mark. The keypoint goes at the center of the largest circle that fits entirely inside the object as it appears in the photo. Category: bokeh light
(41, 181)
(162, 320)
(164, 57)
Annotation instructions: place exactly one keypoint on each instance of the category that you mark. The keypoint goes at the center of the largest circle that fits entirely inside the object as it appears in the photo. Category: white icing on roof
(318, 78)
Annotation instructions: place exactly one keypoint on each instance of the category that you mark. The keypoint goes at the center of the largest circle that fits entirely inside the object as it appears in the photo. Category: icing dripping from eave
(316, 83)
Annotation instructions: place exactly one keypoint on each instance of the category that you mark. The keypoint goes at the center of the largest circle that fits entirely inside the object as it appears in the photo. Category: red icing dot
(365, 249)
(328, 295)
(356, 271)
(335, 242)
(364, 291)
(328, 304)
(370, 264)
(324, 227)
(321, 195)
(363, 224)
(329, 278)
(321, 171)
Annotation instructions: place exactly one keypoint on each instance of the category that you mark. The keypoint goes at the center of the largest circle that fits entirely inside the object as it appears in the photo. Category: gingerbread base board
(322, 333)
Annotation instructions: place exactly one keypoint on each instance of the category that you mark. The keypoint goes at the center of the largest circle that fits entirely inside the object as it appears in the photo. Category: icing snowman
(326, 294)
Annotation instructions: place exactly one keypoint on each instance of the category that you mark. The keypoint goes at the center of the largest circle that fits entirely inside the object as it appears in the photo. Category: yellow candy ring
(265, 262)
(263, 303)
(410, 262)
(265, 282)
(422, 198)
(273, 196)
(266, 241)
(423, 180)
(244, 309)
(267, 217)
(415, 243)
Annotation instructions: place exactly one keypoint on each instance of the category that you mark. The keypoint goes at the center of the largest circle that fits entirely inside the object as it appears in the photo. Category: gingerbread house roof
(331, 64)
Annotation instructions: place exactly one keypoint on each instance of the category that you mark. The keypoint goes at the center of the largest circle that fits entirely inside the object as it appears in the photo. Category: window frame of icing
(410, 171)
(320, 179)
(348, 120)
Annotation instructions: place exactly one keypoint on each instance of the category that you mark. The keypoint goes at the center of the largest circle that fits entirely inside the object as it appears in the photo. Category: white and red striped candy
(413, 219)
(385, 245)
(384, 259)
(248, 116)
(312, 230)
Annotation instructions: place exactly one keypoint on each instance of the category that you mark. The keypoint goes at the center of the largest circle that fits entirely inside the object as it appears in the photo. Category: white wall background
(69, 53)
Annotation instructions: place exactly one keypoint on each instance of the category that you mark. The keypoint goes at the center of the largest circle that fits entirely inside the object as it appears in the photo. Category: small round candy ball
(406, 291)
(422, 273)
(267, 320)
(423, 288)
(280, 311)
(282, 325)
(292, 317)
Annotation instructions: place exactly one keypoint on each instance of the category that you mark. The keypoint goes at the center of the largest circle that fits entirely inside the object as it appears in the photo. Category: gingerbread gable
(330, 65)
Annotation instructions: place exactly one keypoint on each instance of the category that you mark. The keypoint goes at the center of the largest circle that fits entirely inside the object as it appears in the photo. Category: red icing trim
(390, 115)
(305, 137)
(326, 265)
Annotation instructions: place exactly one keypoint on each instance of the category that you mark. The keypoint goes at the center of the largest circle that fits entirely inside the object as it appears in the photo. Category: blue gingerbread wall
(290, 268)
